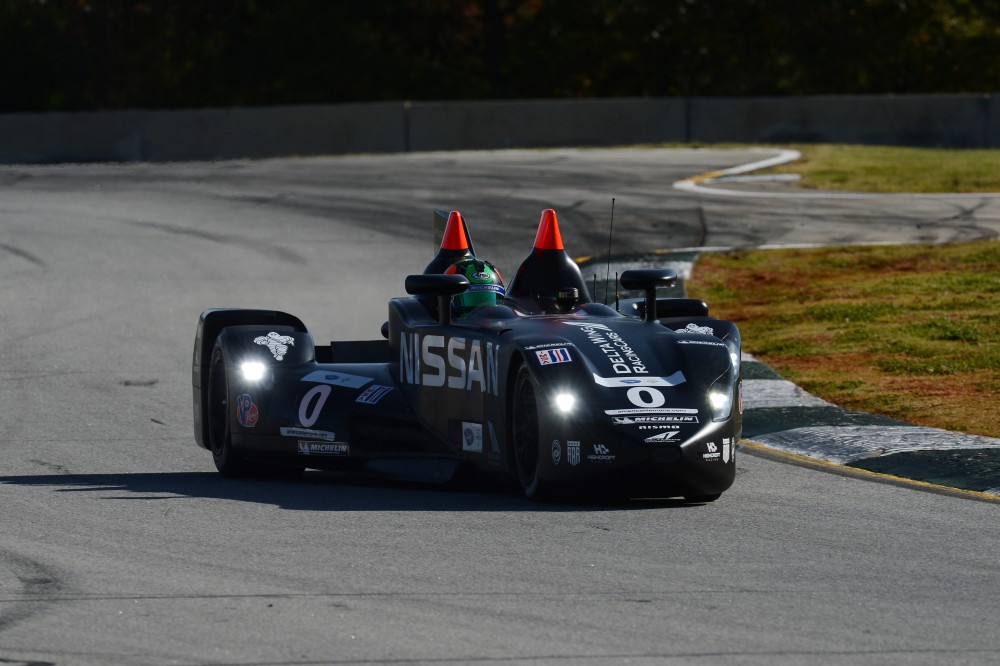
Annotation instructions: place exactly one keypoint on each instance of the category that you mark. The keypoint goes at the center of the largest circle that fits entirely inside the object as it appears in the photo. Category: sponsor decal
(695, 328)
(458, 363)
(573, 453)
(672, 380)
(550, 356)
(664, 436)
(701, 342)
(372, 394)
(495, 288)
(548, 345)
(713, 452)
(246, 411)
(727, 450)
(650, 410)
(276, 343)
(660, 426)
(556, 452)
(624, 360)
(493, 457)
(305, 433)
(312, 405)
(336, 379)
(639, 420)
(472, 437)
(601, 454)
(307, 448)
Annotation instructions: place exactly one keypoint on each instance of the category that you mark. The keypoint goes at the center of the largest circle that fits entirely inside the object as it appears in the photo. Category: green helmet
(485, 284)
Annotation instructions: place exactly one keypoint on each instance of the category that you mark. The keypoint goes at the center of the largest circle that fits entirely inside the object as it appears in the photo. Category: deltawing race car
(560, 393)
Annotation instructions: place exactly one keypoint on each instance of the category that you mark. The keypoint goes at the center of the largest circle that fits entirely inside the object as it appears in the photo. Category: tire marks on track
(269, 249)
(23, 254)
(35, 586)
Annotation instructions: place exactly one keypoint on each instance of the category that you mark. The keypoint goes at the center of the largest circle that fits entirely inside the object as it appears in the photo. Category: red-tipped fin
(454, 233)
(548, 237)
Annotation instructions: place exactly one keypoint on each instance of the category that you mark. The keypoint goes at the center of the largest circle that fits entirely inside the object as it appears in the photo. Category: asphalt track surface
(119, 544)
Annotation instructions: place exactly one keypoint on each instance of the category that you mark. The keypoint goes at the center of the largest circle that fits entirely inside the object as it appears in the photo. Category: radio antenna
(607, 277)
(617, 307)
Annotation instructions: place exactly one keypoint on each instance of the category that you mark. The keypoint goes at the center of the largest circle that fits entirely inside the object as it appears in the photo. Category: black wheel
(702, 499)
(526, 434)
(220, 437)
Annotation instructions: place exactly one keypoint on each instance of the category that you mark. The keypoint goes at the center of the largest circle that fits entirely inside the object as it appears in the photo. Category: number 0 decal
(644, 396)
(309, 417)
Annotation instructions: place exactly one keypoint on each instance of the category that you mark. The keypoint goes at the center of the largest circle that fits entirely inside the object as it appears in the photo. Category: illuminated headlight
(252, 371)
(565, 402)
(721, 403)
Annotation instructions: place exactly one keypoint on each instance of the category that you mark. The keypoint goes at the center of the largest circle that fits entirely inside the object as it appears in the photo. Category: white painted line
(697, 184)
(784, 156)
(762, 393)
(762, 178)
(851, 443)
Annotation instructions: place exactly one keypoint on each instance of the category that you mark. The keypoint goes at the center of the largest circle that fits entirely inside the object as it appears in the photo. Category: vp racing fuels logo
(246, 411)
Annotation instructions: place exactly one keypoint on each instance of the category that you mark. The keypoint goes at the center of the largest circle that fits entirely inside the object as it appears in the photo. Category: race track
(119, 543)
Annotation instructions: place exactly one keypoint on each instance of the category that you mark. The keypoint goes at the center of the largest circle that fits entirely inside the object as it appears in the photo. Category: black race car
(562, 394)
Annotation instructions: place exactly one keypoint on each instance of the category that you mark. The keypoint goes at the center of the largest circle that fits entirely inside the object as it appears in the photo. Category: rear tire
(526, 414)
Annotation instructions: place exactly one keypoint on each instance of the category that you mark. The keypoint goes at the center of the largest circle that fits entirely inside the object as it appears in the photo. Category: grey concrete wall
(965, 121)
(536, 123)
(201, 134)
(957, 121)
(265, 132)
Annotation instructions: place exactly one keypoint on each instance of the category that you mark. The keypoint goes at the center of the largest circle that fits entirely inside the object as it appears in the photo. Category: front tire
(219, 430)
(526, 420)
(227, 459)
(702, 499)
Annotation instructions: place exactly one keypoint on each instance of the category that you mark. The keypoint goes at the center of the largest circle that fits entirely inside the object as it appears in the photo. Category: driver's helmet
(485, 284)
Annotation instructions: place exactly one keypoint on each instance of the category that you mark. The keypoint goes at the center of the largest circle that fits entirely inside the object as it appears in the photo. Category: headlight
(720, 400)
(722, 393)
(252, 371)
(564, 402)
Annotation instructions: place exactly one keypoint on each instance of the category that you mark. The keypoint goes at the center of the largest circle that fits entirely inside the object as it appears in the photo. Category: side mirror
(649, 279)
(440, 285)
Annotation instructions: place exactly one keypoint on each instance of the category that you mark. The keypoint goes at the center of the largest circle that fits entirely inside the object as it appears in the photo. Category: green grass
(895, 169)
(911, 332)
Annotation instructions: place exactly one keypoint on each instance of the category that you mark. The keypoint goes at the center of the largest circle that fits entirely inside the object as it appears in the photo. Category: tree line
(113, 54)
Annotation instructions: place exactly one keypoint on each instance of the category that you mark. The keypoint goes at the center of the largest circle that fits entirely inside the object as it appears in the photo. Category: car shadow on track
(325, 491)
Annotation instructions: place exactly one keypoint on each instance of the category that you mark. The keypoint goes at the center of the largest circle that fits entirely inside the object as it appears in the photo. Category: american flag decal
(373, 394)
(550, 356)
